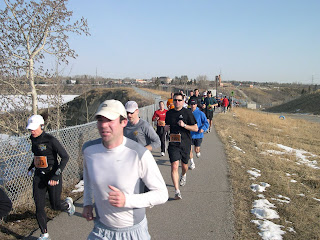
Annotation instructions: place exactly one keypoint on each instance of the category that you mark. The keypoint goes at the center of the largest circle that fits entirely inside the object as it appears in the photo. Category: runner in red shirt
(160, 117)
(225, 103)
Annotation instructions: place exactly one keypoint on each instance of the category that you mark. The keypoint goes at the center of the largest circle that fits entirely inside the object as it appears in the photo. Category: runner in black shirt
(196, 97)
(180, 121)
(47, 173)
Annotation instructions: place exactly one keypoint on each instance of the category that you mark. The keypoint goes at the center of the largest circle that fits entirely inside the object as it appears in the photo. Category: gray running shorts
(136, 232)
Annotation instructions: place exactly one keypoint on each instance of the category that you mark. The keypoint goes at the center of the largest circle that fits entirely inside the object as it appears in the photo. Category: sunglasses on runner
(180, 100)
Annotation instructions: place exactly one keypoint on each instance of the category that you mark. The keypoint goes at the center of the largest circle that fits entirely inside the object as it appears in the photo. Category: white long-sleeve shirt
(127, 167)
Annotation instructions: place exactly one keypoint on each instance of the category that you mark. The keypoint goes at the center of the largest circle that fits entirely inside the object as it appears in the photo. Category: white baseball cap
(111, 109)
(131, 106)
(34, 122)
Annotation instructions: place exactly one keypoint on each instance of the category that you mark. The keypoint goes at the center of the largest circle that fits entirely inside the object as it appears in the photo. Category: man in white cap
(140, 130)
(115, 172)
(47, 172)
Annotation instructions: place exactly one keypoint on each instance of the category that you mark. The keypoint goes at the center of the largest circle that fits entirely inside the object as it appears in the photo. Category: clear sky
(244, 40)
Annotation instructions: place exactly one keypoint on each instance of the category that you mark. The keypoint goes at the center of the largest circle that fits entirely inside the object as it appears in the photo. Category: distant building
(165, 80)
(141, 81)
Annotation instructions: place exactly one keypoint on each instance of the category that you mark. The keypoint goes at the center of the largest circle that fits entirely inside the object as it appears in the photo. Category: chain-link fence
(16, 156)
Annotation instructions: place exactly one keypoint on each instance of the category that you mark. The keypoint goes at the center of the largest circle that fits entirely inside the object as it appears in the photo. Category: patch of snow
(79, 187)
(259, 188)
(301, 155)
(254, 172)
(269, 230)
(284, 200)
(291, 229)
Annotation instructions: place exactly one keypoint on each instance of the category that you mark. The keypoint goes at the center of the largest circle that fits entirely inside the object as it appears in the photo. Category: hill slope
(309, 103)
(82, 109)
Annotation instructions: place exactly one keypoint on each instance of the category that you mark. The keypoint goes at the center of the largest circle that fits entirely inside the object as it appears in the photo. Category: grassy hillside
(308, 103)
(267, 96)
(274, 169)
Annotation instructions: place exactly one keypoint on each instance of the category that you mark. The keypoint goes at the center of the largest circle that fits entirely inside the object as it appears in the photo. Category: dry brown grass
(255, 133)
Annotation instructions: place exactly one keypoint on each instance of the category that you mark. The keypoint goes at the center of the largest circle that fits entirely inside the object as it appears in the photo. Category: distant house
(165, 80)
(141, 81)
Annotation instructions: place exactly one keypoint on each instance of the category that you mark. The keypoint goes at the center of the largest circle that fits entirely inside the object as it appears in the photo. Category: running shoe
(198, 154)
(162, 153)
(192, 166)
(71, 208)
(44, 236)
(183, 180)
(177, 196)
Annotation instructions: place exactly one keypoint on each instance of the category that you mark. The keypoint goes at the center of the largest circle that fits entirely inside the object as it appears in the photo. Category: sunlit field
(274, 169)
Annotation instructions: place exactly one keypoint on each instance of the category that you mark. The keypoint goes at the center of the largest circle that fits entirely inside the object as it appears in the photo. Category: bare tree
(29, 31)
(202, 81)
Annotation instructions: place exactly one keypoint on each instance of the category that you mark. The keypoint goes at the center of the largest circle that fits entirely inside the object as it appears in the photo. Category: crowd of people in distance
(185, 121)
(119, 166)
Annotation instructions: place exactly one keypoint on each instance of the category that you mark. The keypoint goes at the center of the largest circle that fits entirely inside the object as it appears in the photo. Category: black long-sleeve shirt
(47, 145)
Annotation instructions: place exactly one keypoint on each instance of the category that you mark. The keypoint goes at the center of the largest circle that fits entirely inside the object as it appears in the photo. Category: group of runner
(118, 167)
(185, 122)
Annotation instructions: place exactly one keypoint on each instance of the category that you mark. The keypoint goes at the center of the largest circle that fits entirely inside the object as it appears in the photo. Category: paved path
(205, 211)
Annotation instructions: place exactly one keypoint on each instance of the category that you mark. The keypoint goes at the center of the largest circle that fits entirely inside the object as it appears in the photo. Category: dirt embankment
(82, 109)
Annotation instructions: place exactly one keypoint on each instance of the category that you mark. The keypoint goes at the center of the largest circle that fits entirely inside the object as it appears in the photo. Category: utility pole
(217, 79)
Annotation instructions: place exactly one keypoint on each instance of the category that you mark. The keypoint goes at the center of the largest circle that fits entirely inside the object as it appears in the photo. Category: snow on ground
(259, 188)
(254, 172)
(283, 200)
(301, 155)
(262, 209)
(45, 101)
(79, 187)
(234, 144)
(269, 230)
(265, 211)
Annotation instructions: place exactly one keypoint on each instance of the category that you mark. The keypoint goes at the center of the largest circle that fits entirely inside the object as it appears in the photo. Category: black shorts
(196, 142)
(177, 153)
(209, 115)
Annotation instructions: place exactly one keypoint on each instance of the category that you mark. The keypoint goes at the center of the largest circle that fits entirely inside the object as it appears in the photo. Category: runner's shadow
(9, 232)
(163, 162)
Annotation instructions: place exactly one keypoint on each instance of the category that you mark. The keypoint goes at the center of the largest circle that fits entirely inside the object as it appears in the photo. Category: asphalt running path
(204, 212)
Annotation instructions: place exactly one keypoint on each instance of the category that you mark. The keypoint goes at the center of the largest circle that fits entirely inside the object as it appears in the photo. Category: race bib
(161, 123)
(40, 162)
(175, 137)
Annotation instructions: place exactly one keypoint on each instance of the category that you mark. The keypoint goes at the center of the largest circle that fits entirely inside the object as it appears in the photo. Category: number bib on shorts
(175, 137)
(40, 162)
(161, 123)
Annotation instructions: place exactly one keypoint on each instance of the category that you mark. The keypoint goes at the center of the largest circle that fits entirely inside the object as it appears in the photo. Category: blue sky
(244, 40)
